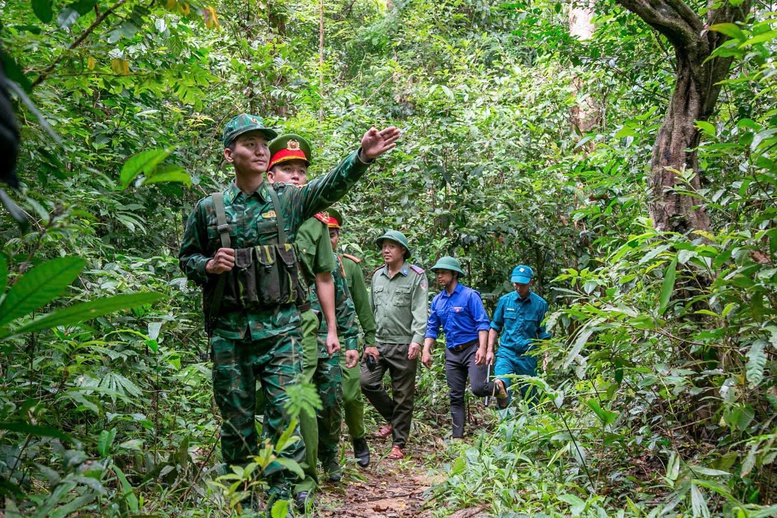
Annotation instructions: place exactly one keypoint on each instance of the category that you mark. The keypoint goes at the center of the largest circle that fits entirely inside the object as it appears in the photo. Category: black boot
(362, 452)
(333, 470)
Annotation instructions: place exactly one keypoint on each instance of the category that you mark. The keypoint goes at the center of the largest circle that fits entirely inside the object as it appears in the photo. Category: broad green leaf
(128, 491)
(85, 311)
(74, 505)
(291, 465)
(287, 437)
(280, 508)
(42, 9)
(582, 339)
(698, 502)
(39, 431)
(604, 415)
(761, 38)
(729, 29)
(67, 17)
(105, 441)
(170, 173)
(756, 363)
(39, 286)
(667, 288)
(143, 162)
(707, 128)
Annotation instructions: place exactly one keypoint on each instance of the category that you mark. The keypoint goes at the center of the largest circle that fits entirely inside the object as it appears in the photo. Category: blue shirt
(461, 315)
(520, 321)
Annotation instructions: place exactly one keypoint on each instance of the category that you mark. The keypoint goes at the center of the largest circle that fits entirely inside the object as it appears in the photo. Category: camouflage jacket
(347, 328)
(252, 222)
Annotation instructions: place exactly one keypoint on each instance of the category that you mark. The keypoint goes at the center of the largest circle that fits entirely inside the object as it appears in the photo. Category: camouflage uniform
(328, 376)
(316, 256)
(262, 344)
(353, 400)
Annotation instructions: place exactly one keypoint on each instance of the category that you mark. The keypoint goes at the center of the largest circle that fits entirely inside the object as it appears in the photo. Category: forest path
(386, 488)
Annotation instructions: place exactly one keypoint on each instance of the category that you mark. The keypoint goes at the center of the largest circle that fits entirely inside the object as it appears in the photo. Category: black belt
(465, 345)
(305, 306)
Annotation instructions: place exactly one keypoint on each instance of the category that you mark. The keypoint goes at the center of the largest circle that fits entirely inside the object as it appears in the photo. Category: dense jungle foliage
(659, 397)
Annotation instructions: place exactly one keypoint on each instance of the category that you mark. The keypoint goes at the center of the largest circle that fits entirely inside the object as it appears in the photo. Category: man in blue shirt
(518, 317)
(460, 312)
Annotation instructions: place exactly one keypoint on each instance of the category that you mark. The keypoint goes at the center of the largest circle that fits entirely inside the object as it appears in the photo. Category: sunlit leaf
(39, 286)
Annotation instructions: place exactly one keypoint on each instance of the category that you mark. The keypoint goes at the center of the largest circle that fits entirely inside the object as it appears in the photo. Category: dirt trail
(386, 489)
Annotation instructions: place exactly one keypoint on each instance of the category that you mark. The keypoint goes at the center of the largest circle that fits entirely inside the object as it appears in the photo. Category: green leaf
(31, 429)
(582, 339)
(604, 415)
(291, 465)
(39, 286)
(170, 173)
(280, 508)
(698, 502)
(129, 493)
(105, 441)
(85, 311)
(143, 162)
(761, 38)
(730, 30)
(67, 17)
(706, 128)
(286, 437)
(756, 363)
(42, 9)
(667, 288)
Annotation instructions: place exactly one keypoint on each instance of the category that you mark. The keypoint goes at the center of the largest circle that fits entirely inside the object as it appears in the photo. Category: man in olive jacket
(399, 303)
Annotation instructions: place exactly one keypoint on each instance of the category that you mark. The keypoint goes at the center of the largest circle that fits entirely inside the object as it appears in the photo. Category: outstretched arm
(375, 143)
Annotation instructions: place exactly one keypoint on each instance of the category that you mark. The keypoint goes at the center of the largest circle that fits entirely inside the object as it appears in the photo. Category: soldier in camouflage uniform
(291, 156)
(353, 400)
(258, 342)
(329, 377)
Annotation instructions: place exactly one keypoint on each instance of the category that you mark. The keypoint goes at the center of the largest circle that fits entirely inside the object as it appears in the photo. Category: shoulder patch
(269, 215)
(353, 258)
(417, 269)
(323, 217)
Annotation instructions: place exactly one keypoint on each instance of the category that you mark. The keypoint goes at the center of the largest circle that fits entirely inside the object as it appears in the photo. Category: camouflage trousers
(276, 362)
(328, 379)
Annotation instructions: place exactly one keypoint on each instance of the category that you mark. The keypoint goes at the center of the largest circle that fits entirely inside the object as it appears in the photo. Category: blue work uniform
(520, 323)
(461, 316)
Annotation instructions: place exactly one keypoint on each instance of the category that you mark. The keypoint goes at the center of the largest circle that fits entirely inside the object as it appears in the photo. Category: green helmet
(397, 237)
(244, 123)
(449, 263)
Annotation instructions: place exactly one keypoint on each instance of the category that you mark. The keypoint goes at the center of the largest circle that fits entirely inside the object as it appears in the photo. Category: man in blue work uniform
(460, 312)
(519, 318)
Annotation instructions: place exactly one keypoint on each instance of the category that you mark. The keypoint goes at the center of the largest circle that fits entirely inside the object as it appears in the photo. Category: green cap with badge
(397, 237)
(289, 147)
(244, 123)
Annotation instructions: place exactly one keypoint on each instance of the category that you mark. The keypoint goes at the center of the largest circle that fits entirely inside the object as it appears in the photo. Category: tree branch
(670, 18)
(89, 30)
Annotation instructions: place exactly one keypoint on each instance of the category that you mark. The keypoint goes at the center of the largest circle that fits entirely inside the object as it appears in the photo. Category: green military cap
(289, 147)
(335, 218)
(244, 123)
(397, 237)
(448, 263)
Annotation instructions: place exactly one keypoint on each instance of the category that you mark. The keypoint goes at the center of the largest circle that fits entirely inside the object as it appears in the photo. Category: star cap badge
(292, 145)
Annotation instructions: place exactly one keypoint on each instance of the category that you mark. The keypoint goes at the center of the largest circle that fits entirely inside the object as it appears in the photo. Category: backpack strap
(221, 219)
(278, 215)
(226, 242)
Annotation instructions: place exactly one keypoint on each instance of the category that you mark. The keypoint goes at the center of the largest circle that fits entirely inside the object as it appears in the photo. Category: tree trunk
(695, 95)
(585, 115)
